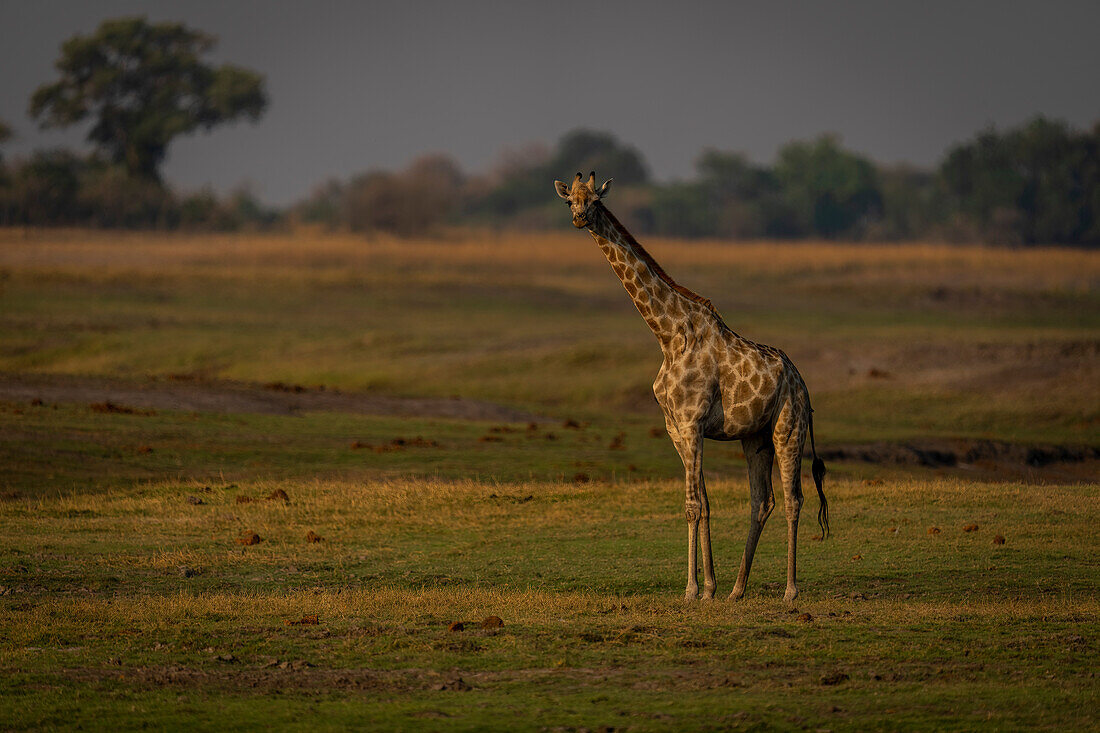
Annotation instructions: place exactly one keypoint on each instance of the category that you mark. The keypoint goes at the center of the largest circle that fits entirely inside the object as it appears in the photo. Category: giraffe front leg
(689, 444)
(691, 509)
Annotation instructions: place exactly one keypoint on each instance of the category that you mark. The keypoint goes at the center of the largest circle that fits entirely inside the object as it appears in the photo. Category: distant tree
(373, 201)
(680, 209)
(435, 181)
(732, 175)
(744, 200)
(1037, 183)
(409, 203)
(913, 205)
(518, 186)
(984, 184)
(202, 211)
(109, 197)
(5, 135)
(1090, 177)
(831, 191)
(516, 162)
(588, 150)
(324, 205)
(142, 85)
(245, 212)
(516, 182)
(44, 189)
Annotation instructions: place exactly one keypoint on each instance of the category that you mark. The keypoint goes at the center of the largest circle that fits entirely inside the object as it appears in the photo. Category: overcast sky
(359, 85)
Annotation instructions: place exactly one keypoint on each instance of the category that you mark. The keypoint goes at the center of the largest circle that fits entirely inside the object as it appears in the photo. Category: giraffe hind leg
(759, 453)
(790, 472)
(789, 444)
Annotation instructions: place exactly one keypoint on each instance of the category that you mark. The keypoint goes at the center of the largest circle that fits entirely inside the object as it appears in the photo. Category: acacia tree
(143, 85)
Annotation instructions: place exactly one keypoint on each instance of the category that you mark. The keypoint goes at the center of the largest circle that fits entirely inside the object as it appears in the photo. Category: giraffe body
(712, 384)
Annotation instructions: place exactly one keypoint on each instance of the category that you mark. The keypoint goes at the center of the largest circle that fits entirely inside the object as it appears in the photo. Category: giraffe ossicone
(712, 384)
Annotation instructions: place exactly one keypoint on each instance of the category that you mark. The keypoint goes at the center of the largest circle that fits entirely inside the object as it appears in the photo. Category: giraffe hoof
(708, 593)
(790, 595)
(737, 594)
(691, 594)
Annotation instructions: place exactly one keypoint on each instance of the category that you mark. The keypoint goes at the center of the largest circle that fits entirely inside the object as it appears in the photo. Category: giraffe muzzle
(580, 222)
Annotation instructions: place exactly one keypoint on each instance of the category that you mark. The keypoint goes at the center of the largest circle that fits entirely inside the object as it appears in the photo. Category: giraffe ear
(562, 189)
(605, 188)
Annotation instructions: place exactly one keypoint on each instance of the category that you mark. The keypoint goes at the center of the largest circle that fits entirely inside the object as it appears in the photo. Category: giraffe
(712, 384)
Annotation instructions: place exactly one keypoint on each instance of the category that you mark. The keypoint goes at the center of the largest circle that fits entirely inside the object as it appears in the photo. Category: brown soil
(104, 407)
(1042, 365)
(983, 458)
(303, 621)
(107, 394)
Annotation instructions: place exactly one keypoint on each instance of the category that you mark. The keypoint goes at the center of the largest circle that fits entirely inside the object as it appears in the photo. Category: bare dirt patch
(105, 408)
(127, 396)
(1040, 364)
(985, 458)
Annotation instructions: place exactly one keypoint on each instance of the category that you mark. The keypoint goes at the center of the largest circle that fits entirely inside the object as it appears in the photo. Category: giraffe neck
(662, 303)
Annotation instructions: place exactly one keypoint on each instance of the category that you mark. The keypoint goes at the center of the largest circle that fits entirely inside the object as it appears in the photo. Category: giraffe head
(581, 196)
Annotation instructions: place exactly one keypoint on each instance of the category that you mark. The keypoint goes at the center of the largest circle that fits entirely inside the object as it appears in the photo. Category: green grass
(66, 448)
(503, 320)
(944, 630)
(126, 600)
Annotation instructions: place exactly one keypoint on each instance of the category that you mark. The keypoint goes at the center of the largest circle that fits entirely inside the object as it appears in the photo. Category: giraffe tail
(817, 469)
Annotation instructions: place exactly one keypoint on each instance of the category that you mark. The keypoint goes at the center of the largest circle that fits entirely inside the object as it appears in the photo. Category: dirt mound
(249, 538)
(107, 394)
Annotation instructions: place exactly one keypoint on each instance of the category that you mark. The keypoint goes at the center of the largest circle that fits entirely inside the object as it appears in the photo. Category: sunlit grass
(539, 321)
(126, 599)
(587, 579)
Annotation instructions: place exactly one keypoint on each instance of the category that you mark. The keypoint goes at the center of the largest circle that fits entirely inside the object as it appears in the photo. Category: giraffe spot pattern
(760, 391)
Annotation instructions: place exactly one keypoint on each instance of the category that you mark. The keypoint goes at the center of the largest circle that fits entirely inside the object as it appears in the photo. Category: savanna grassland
(465, 427)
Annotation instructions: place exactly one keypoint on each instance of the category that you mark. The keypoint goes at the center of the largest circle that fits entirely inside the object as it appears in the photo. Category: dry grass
(533, 257)
(914, 339)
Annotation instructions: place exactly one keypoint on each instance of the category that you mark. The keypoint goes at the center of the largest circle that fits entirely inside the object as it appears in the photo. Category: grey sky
(358, 85)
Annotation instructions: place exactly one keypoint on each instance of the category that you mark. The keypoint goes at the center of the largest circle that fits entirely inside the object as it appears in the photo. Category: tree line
(141, 85)
(1038, 183)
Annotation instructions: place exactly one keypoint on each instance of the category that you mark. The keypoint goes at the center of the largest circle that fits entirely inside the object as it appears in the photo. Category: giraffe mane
(653, 264)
